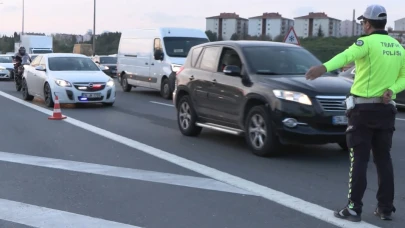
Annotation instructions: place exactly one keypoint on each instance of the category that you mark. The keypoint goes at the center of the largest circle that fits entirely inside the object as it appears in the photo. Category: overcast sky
(76, 16)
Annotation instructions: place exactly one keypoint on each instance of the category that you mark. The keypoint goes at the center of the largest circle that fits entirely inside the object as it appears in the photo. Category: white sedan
(74, 78)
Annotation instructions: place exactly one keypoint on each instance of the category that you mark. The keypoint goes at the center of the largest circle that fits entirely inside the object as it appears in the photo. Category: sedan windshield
(278, 60)
(71, 64)
(6, 59)
(180, 46)
(108, 60)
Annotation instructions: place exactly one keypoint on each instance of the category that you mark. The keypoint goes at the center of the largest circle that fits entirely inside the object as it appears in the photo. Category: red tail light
(180, 70)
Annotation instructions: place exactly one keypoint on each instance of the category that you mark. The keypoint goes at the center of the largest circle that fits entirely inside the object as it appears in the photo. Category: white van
(151, 57)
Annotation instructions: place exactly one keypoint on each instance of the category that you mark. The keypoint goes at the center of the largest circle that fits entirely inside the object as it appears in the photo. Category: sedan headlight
(292, 96)
(110, 83)
(175, 67)
(63, 83)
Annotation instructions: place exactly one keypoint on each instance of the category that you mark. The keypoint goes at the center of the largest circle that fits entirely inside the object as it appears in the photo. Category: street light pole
(94, 30)
(23, 14)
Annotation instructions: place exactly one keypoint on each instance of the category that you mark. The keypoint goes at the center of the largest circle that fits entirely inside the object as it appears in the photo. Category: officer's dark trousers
(371, 127)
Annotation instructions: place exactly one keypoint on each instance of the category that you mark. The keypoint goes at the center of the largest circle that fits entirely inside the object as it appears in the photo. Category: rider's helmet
(21, 51)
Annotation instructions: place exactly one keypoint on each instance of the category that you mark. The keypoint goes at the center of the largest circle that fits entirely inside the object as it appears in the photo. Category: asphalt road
(82, 171)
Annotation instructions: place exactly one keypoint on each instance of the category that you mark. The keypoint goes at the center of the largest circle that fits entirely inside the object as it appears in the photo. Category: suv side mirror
(232, 70)
(40, 68)
(158, 54)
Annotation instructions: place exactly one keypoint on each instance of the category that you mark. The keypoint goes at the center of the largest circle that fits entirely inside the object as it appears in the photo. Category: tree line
(107, 43)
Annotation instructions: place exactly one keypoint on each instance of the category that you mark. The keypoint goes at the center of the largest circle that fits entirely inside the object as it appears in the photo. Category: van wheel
(259, 133)
(165, 90)
(124, 84)
(187, 117)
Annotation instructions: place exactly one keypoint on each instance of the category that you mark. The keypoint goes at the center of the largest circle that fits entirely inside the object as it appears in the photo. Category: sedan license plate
(339, 120)
(91, 95)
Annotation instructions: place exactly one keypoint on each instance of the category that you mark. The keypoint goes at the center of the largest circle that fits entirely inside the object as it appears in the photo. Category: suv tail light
(180, 70)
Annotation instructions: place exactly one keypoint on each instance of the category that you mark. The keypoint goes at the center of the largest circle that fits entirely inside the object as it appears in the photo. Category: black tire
(124, 84)
(26, 96)
(48, 96)
(165, 90)
(343, 146)
(186, 111)
(270, 145)
(108, 104)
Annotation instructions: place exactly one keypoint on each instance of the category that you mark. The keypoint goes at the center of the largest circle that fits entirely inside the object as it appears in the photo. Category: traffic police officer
(380, 75)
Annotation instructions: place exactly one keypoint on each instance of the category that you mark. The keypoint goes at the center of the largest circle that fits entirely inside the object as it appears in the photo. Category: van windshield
(180, 46)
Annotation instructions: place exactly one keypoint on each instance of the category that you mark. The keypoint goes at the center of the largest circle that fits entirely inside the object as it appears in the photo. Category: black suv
(258, 89)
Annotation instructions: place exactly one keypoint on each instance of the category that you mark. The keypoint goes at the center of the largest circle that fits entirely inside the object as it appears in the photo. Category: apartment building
(271, 24)
(227, 24)
(399, 25)
(346, 28)
(308, 26)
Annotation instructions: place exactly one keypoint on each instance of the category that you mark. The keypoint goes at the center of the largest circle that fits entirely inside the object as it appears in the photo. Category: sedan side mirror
(232, 70)
(158, 54)
(40, 68)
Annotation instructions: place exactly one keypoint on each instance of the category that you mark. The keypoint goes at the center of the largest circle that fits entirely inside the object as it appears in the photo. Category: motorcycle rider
(22, 53)
(20, 58)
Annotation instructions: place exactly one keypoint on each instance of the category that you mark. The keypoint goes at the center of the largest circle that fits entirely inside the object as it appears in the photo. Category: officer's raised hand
(315, 72)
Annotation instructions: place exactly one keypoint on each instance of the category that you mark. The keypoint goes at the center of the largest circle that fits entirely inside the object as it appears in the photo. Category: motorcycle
(19, 72)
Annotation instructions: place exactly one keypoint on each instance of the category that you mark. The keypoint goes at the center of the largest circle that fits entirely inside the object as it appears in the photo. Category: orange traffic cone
(57, 113)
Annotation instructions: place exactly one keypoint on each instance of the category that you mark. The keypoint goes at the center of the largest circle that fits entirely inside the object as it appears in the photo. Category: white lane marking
(43, 217)
(281, 198)
(401, 119)
(159, 103)
(128, 173)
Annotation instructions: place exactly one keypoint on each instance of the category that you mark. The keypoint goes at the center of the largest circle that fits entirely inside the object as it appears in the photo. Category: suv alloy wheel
(259, 133)
(187, 117)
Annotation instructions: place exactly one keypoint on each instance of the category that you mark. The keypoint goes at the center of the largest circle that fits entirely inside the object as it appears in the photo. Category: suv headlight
(292, 96)
(110, 83)
(63, 83)
(175, 67)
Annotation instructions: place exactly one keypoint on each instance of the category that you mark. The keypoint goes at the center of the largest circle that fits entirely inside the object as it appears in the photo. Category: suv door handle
(214, 81)
(146, 63)
(191, 78)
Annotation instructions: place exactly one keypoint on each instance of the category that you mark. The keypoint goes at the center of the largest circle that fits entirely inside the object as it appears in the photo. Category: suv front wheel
(187, 117)
(259, 134)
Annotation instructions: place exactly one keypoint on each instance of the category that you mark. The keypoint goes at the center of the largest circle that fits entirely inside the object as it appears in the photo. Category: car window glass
(194, 56)
(209, 58)
(157, 45)
(43, 63)
(72, 64)
(279, 60)
(36, 61)
(180, 46)
(229, 57)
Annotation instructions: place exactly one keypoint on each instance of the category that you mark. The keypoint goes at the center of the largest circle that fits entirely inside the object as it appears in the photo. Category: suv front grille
(332, 103)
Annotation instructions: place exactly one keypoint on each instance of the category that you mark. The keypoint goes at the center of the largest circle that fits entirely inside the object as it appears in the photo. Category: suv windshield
(6, 59)
(108, 60)
(71, 64)
(180, 46)
(278, 60)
